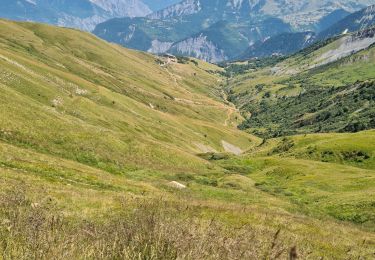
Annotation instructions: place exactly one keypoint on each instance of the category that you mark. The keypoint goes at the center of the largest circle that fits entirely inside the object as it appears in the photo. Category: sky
(159, 4)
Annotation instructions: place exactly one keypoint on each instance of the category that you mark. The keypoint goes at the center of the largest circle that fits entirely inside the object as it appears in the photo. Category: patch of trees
(349, 108)
(233, 69)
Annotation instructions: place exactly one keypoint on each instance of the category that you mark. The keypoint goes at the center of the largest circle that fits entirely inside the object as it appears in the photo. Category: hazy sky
(159, 4)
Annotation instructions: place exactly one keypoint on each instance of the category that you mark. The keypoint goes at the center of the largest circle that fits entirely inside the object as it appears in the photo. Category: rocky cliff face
(348, 45)
(159, 47)
(200, 47)
(123, 8)
(301, 14)
(223, 29)
(187, 7)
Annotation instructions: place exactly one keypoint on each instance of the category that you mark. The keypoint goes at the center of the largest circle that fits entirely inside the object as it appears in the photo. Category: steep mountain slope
(326, 87)
(354, 22)
(111, 153)
(164, 108)
(82, 14)
(121, 8)
(303, 15)
(222, 30)
(330, 19)
(191, 27)
(223, 41)
(289, 43)
(300, 14)
(282, 44)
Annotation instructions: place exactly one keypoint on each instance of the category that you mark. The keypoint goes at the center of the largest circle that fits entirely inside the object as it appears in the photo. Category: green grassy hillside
(111, 153)
(324, 174)
(328, 87)
(102, 105)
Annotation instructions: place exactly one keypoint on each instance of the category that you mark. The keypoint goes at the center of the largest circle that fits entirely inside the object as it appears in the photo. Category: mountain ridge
(354, 22)
(184, 28)
(82, 14)
(285, 44)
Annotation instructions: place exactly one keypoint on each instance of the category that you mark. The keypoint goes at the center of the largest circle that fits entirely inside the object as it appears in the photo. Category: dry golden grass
(142, 229)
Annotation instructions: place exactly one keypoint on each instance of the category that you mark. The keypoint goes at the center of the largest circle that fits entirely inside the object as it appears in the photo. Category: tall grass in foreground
(148, 230)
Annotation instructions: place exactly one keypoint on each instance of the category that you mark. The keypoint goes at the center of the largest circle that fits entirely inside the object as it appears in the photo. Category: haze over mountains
(82, 14)
(222, 30)
(289, 43)
(210, 30)
(156, 5)
(354, 22)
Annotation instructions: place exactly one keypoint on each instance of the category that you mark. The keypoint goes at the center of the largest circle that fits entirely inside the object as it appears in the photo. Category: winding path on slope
(231, 108)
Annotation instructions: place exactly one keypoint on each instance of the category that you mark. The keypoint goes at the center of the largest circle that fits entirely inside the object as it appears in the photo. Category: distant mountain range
(82, 14)
(330, 19)
(288, 43)
(354, 22)
(212, 30)
(224, 29)
(282, 44)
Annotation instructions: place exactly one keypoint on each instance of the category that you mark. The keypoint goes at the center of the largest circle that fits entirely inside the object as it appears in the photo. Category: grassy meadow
(92, 137)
